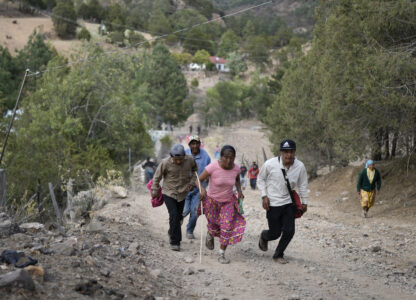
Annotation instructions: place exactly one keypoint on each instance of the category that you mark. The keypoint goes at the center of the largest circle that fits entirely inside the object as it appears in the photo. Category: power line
(155, 38)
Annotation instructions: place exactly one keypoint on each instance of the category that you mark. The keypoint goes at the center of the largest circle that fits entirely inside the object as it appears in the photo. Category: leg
(187, 207)
(194, 202)
(288, 230)
(175, 209)
(275, 224)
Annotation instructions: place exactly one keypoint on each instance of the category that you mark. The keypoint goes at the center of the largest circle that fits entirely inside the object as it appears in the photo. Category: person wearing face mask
(220, 204)
(252, 174)
(276, 200)
(179, 177)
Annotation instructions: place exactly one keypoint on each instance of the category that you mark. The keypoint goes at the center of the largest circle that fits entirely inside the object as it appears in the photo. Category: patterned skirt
(224, 220)
(367, 198)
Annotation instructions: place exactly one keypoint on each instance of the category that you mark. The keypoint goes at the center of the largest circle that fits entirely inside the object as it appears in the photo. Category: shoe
(262, 243)
(364, 214)
(223, 260)
(175, 247)
(209, 241)
(280, 260)
(190, 236)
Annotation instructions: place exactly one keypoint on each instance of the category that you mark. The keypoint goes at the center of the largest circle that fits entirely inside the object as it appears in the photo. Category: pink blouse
(221, 181)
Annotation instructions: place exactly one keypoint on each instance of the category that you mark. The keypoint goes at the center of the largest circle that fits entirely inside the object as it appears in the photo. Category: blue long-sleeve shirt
(202, 160)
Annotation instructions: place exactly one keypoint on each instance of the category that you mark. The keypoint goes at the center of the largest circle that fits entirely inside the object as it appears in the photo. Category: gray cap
(177, 150)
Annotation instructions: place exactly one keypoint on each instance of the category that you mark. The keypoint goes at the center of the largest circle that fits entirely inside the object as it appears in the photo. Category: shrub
(84, 34)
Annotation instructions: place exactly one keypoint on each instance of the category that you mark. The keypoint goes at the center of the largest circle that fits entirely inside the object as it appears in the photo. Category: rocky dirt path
(329, 259)
(123, 251)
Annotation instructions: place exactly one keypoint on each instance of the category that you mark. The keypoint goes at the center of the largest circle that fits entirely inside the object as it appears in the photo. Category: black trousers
(175, 210)
(281, 221)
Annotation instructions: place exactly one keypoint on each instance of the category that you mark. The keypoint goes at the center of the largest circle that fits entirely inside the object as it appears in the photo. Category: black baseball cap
(287, 145)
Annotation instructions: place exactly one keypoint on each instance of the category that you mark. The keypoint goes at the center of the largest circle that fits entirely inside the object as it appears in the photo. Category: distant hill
(297, 13)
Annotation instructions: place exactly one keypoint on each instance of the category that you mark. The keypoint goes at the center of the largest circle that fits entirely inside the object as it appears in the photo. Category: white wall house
(220, 63)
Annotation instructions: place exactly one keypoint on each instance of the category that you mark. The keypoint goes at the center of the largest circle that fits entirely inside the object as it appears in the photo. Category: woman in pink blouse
(221, 204)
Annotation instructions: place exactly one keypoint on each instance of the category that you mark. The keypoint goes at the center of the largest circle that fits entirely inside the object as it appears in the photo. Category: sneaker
(280, 260)
(209, 241)
(262, 243)
(223, 260)
(190, 236)
(175, 247)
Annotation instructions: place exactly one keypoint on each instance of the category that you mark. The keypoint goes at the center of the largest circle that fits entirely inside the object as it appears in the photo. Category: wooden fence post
(2, 187)
(56, 208)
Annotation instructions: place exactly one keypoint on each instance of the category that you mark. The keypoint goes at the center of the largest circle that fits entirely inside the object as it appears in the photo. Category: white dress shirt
(272, 183)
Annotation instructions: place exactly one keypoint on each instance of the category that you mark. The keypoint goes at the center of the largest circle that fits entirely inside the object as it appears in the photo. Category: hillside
(298, 14)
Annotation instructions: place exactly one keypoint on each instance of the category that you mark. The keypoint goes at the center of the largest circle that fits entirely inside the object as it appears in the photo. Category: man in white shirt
(276, 198)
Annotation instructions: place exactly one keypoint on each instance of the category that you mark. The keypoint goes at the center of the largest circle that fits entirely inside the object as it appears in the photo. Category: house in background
(220, 63)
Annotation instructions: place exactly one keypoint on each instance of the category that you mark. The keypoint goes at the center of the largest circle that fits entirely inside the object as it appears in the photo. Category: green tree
(159, 23)
(64, 19)
(182, 58)
(236, 64)
(249, 30)
(9, 76)
(353, 89)
(167, 87)
(79, 119)
(197, 40)
(84, 34)
(201, 57)
(257, 48)
(229, 43)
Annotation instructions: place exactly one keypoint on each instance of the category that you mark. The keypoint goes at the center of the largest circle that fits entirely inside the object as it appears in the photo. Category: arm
(204, 176)
(194, 170)
(238, 186)
(303, 188)
(261, 184)
(157, 178)
(261, 180)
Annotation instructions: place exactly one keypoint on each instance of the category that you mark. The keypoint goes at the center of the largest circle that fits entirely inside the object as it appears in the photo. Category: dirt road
(332, 256)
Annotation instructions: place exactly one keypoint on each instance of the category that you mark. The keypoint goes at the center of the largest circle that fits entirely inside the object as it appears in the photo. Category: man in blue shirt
(192, 199)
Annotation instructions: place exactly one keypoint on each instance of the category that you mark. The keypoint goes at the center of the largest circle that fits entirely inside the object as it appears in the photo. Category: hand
(202, 194)
(189, 188)
(154, 194)
(266, 203)
(305, 208)
(240, 195)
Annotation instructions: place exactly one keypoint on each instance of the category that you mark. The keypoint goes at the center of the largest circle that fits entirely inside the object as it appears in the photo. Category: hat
(369, 162)
(177, 150)
(194, 138)
(287, 145)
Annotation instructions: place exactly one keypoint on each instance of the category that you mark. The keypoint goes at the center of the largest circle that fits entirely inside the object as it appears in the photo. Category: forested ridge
(350, 93)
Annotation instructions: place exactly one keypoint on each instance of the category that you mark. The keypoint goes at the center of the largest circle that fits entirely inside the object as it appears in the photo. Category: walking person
(192, 199)
(178, 174)
(276, 200)
(368, 180)
(190, 129)
(217, 152)
(252, 174)
(243, 172)
(149, 167)
(220, 205)
(199, 129)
